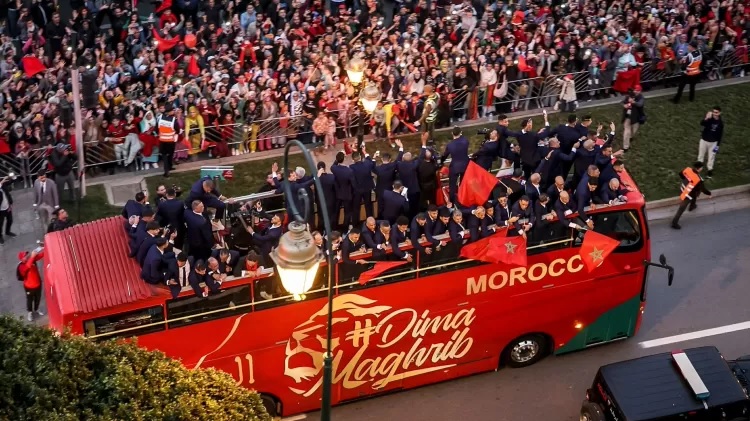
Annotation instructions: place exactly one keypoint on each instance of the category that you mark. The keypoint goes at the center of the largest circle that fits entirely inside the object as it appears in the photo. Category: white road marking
(295, 418)
(695, 335)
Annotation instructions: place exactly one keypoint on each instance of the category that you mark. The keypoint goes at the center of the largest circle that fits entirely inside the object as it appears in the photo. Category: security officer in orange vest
(168, 136)
(691, 73)
(692, 186)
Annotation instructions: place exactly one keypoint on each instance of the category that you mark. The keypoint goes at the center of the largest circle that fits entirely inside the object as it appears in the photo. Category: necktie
(184, 277)
(44, 187)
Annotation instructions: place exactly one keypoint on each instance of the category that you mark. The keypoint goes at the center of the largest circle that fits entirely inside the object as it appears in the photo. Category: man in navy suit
(458, 150)
(136, 228)
(477, 223)
(146, 240)
(386, 175)
(350, 266)
(567, 135)
(408, 173)
(328, 183)
(399, 236)
(267, 239)
(458, 230)
(586, 197)
(533, 188)
(344, 177)
(564, 207)
(503, 133)
(199, 234)
(369, 230)
(171, 213)
(363, 185)
(197, 277)
(179, 270)
(553, 191)
(297, 181)
(553, 164)
(205, 191)
(381, 241)
(586, 155)
(604, 161)
(137, 206)
(489, 151)
(394, 203)
(612, 192)
(524, 214)
(418, 233)
(528, 141)
(503, 215)
(153, 271)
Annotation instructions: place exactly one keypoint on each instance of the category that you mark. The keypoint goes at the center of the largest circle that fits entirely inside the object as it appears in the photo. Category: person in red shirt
(32, 282)
(116, 137)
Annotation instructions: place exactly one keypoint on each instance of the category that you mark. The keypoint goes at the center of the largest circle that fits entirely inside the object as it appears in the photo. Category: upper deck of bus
(88, 270)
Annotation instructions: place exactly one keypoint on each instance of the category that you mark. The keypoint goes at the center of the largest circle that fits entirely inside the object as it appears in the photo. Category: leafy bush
(48, 377)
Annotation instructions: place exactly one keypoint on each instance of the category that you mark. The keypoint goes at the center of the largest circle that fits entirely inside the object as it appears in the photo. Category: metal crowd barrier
(259, 135)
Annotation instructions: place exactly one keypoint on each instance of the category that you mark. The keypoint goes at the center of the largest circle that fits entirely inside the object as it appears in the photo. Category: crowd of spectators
(244, 76)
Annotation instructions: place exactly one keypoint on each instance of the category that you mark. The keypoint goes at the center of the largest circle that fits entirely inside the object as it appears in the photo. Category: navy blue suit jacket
(133, 208)
(458, 150)
(368, 237)
(362, 171)
(407, 173)
(267, 239)
(197, 193)
(153, 267)
(171, 212)
(328, 183)
(386, 174)
(394, 205)
(487, 154)
(344, 177)
(145, 245)
(552, 167)
(198, 230)
(397, 237)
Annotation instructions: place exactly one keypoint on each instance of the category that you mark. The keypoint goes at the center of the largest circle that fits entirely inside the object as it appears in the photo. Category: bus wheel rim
(524, 351)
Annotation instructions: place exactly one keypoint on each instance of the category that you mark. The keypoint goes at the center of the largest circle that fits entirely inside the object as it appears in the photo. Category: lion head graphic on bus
(307, 344)
(384, 344)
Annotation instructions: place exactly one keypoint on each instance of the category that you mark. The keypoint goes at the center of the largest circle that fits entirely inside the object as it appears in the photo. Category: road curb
(715, 194)
(721, 200)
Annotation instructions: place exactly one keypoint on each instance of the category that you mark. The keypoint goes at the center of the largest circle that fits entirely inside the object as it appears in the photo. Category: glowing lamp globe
(355, 70)
(369, 98)
(297, 259)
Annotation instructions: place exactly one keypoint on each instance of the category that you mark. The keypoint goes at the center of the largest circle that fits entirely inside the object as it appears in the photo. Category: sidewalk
(135, 177)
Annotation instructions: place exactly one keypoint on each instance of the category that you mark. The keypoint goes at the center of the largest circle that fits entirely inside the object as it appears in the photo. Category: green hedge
(48, 377)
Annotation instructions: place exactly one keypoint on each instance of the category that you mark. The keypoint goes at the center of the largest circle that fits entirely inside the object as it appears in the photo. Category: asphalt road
(711, 255)
(711, 288)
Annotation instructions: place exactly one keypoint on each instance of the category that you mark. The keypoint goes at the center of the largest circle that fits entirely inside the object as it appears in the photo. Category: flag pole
(76, 82)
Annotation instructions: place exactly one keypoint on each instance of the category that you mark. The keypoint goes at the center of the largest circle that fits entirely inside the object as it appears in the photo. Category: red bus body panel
(386, 337)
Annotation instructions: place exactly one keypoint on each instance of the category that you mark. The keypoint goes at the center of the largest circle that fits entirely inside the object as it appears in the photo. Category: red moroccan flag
(476, 186)
(478, 250)
(193, 69)
(508, 250)
(595, 248)
(164, 44)
(32, 66)
(378, 269)
(166, 4)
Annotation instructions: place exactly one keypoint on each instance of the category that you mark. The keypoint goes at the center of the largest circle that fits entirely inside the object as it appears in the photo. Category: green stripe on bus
(616, 323)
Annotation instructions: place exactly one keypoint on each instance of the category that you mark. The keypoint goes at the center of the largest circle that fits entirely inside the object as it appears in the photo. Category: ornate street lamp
(367, 98)
(355, 70)
(297, 260)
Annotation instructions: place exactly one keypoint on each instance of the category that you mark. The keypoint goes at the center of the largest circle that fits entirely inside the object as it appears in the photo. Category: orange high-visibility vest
(692, 178)
(694, 67)
(166, 129)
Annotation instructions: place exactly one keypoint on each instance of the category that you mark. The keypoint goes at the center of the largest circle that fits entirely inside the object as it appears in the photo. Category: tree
(46, 376)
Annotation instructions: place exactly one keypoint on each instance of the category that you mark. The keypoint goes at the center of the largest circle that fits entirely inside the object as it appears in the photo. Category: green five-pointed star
(597, 254)
(510, 248)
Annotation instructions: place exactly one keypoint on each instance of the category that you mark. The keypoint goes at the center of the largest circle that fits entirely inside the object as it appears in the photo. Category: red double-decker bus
(414, 325)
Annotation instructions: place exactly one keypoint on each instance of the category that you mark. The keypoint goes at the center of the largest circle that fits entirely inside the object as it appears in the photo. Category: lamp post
(367, 98)
(297, 260)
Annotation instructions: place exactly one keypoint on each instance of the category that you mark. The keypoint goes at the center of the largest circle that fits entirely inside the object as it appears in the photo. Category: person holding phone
(28, 273)
(6, 206)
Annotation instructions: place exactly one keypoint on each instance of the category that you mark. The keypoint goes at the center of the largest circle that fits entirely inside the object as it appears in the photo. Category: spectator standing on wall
(633, 115)
(62, 160)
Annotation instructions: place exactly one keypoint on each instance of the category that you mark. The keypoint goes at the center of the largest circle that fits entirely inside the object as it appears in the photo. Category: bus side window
(190, 310)
(620, 225)
(132, 323)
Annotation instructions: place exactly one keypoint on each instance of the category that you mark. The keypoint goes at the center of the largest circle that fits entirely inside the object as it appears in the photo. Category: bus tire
(271, 405)
(591, 412)
(525, 350)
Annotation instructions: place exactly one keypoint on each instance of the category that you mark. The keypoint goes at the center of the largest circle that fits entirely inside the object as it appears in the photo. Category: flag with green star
(595, 248)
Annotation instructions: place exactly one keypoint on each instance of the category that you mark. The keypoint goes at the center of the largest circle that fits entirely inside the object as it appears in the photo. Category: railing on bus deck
(262, 304)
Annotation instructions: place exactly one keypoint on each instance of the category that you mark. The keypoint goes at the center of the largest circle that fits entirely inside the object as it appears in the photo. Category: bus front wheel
(525, 351)
(270, 404)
